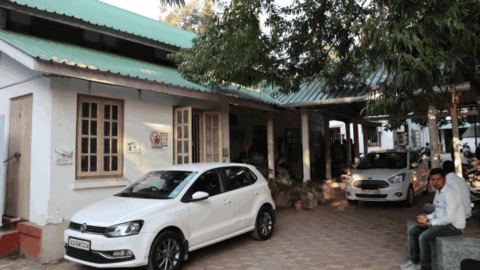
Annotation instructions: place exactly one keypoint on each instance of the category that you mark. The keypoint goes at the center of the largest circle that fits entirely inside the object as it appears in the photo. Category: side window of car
(236, 177)
(209, 182)
(253, 176)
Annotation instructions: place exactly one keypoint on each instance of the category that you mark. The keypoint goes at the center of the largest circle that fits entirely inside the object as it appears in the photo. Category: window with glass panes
(99, 137)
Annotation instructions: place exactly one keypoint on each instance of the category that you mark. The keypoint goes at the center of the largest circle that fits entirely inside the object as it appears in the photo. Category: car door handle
(254, 193)
(226, 202)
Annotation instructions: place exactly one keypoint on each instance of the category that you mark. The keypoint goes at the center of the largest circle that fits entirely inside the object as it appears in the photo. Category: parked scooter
(466, 151)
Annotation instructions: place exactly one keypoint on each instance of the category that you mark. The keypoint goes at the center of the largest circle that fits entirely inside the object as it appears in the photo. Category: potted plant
(296, 199)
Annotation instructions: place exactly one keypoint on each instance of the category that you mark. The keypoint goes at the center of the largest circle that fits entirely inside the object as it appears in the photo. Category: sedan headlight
(349, 179)
(397, 179)
(124, 229)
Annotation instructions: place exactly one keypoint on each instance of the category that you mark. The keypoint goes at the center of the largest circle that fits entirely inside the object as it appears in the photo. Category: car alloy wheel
(167, 252)
(264, 224)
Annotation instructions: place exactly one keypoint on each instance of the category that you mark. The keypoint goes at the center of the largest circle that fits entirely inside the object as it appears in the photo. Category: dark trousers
(420, 242)
(469, 264)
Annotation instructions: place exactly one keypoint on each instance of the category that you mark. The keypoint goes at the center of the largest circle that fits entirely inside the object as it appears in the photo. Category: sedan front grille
(370, 184)
(92, 256)
(90, 229)
(378, 196)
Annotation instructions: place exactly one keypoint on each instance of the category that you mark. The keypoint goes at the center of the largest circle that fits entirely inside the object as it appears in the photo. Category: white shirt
(460, 185)
(448, 208)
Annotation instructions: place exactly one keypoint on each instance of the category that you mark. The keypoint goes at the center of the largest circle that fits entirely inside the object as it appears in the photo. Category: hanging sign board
(2, 168)
(155, 139)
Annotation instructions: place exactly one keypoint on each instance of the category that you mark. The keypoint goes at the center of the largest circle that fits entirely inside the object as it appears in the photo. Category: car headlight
(397, 179)
(349, 179)
(124, 229)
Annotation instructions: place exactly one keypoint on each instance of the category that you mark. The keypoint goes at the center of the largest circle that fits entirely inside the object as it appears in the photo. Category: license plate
(370, 191)
(80, 244)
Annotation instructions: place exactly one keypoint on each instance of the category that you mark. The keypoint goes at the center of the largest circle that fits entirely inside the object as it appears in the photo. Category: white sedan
(166, 213)
(389, 175)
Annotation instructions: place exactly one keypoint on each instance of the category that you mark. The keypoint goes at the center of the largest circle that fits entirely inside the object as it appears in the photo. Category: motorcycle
(466, 151)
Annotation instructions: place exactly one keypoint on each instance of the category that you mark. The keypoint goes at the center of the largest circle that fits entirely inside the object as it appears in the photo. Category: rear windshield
(391, 160)
(158, 185)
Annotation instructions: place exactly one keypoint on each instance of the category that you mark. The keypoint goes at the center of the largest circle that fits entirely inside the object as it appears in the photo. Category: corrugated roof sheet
(470, 132)
(315, 91)
(73, 55)
(103, 14)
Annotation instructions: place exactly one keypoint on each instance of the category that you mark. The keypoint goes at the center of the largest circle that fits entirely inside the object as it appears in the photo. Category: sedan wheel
(410, 196)
(264, 225)
(427, 189)
(166, 252)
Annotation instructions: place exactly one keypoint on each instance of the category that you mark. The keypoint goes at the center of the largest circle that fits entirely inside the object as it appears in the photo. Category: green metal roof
(103, 14)
(449, 126)
(73, 55)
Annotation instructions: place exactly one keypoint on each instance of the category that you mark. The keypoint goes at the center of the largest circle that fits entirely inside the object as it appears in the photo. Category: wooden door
(18, 170)
(212, 136)
(183, 135)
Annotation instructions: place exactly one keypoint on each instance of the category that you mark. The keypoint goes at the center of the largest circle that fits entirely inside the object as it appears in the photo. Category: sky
(148, 8)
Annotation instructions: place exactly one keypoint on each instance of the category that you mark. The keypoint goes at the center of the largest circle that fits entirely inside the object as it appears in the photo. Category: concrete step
(9, 242)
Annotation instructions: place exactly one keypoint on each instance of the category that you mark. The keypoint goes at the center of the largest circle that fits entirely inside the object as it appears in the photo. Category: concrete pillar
(365, 140)
(356, 142)
(349, 143)
(456, 137)
(328, 158)
(433, 132)
(270, 144)
(305, 146)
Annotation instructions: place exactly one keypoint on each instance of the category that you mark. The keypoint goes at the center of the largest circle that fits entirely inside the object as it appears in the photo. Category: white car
(168, 212)
(389, 175)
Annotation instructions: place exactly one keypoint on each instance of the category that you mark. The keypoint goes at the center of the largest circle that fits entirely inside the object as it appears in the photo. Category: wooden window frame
(100, 173)
(405, 138)
(297, 150)
(185, 126)
(220, 137)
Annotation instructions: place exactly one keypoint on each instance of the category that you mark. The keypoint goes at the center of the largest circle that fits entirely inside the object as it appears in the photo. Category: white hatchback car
(166, 213)
(389, 175)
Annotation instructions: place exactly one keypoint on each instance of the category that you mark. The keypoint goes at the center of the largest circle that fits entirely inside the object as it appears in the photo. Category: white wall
(151, 111)
(386, 139)
(11, 72)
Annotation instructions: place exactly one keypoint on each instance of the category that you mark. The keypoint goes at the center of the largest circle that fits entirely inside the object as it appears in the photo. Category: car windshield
(391, 160)
(158, 185)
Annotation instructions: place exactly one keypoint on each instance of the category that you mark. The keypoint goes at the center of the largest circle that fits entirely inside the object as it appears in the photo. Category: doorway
(19, 147)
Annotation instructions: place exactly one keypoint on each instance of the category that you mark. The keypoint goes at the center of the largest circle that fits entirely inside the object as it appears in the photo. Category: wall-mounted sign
(155, 139)
(133, 147)
(63, 155)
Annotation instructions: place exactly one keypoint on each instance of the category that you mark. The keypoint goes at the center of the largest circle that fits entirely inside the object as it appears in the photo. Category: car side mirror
(199, 196)
(415, 165)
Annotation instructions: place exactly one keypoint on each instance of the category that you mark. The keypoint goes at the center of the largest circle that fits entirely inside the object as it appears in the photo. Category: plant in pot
(296, 199)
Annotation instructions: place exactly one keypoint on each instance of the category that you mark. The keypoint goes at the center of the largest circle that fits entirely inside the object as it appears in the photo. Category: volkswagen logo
(83, 228)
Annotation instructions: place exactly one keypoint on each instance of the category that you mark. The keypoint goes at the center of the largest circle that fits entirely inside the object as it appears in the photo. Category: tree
(420, 43)
(191, 16)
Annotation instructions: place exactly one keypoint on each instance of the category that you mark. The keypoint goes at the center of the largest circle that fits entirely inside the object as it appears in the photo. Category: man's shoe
(411, 266)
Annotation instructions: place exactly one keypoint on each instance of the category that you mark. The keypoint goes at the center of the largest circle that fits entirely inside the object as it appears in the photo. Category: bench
(449, 251)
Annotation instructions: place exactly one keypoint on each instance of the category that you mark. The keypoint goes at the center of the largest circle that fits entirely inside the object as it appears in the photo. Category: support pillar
(270, 144)
(456, 136)
(305, 146)
(328, 158)
(365, 140)
(356, 142)
(433, 132)
(349, 143)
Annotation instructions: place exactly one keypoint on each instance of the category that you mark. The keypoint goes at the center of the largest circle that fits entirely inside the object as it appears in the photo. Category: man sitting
(457, 183)
(447, 220)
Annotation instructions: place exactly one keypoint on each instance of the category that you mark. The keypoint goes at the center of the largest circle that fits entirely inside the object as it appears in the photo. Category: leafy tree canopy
(420, 43)
(191, 16)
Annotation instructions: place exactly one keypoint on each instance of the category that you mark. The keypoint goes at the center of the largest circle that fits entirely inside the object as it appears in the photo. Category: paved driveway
(332, 236)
